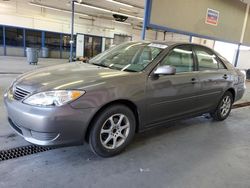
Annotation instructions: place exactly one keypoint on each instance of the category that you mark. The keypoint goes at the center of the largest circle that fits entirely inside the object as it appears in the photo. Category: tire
(224, 108)
(112, 130)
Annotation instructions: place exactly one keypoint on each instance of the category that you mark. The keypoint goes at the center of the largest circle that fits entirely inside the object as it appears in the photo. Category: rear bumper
(49, 126)
(240, 90)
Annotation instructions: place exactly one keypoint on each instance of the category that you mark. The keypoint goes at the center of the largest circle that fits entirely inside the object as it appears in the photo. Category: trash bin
(44, 52)
(32, 55)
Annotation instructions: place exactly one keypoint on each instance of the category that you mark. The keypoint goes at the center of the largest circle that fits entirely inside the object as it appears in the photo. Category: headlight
(53, 98)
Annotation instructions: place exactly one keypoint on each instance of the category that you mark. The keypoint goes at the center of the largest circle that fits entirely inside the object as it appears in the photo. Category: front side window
(181, 58)
(221, 65)
(206, 59)
(131, 56)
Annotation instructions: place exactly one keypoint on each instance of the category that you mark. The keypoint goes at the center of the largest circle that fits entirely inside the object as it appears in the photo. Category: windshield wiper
(100, 65)
(129, 70)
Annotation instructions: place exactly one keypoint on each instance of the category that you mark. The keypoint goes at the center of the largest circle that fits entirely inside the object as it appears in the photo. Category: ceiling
(136, 8)
(246, 1)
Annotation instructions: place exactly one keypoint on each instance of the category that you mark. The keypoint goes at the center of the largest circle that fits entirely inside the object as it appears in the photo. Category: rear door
(172, 96)
(213, 76)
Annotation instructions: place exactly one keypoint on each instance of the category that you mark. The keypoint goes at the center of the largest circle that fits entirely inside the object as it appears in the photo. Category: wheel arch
(231, 90)
(132, 106)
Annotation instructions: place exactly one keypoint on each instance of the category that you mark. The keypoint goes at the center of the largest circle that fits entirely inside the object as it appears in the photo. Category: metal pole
(61, 45)
(156, 35)
(145, 21)
(24, 42)
(237, 56)
(4, 41)
(72, 30)
(43, 38)
(190, 38)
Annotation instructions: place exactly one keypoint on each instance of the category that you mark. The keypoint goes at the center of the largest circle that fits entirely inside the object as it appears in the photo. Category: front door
(172, 96)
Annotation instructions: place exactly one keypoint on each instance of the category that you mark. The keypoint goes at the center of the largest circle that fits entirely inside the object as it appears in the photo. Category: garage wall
(1, 51)
(190, 15)
(14, 51)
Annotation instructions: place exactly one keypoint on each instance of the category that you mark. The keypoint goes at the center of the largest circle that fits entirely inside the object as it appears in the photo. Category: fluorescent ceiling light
(125, 10)
(56, 9)
(125, 23)
(109, 11)
(120, 3)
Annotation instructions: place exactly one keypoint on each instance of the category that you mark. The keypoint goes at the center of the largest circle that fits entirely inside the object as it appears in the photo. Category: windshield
(131, 56)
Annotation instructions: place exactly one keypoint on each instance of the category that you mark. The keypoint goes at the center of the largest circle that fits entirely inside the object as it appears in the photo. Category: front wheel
(112, 130)
(224, 108)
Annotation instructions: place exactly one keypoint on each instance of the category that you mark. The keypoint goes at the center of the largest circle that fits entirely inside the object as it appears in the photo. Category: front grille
(20, 93)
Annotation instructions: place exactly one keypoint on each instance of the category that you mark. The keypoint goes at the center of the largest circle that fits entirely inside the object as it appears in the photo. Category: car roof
(170, 43)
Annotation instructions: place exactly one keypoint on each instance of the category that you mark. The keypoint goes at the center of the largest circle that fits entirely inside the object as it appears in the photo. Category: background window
(52, 41)
(92, 46)
(181, 58)
(207, 60)
(14, 36)
(33, 38)
(66, 46)
(1, 35)
(66, 42)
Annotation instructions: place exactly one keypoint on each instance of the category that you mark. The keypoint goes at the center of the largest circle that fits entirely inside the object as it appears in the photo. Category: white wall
(205, 42)
(244, 58)
(227, 50)
(169, 36)
(176, 37)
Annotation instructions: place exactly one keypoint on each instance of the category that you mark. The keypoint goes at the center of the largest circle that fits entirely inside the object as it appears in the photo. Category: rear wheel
(224, 108)
(112, 130)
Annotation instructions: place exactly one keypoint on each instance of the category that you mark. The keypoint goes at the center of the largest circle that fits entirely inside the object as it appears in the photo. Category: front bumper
(48, 126)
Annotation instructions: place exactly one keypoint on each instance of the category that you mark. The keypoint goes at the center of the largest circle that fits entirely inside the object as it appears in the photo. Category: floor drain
(21, 151)
(240, 105)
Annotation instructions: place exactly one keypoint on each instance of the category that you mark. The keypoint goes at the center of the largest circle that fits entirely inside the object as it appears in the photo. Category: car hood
(69, 76)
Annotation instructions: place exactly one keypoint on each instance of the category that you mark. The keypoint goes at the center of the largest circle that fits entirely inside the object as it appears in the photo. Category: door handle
(225, 76)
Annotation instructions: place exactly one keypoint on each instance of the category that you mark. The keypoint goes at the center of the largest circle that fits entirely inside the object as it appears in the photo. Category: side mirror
(165, 70)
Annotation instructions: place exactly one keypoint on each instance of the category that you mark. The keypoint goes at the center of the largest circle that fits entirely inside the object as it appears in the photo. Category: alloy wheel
(225, 106)
(115, 131)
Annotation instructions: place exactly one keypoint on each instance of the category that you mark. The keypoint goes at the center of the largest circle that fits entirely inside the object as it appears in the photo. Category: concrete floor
(193, 153)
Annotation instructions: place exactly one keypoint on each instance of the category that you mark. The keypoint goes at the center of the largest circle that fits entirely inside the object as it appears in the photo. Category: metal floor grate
(21, 151)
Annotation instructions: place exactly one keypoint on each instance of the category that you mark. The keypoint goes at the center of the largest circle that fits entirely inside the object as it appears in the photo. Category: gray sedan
(130, 88)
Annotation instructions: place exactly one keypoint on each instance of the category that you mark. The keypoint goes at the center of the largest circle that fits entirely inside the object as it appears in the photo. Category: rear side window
(181, 58)
(206, 59)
